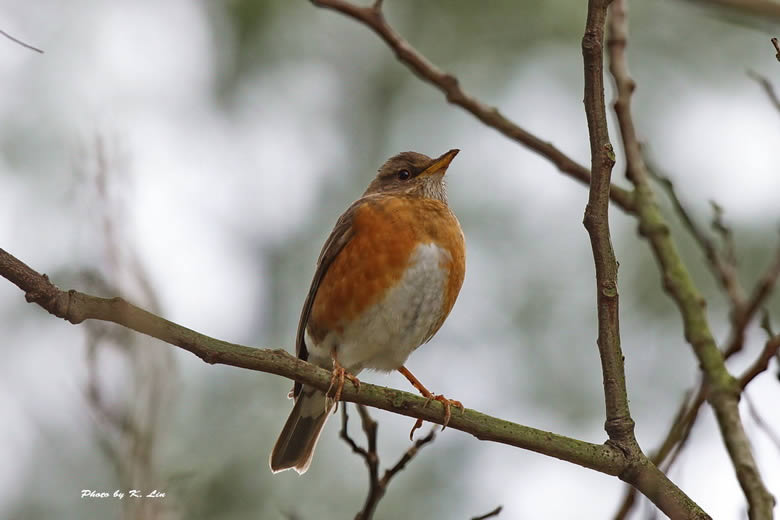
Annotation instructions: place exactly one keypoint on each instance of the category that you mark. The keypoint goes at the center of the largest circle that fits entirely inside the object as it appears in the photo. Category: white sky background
(201, 180)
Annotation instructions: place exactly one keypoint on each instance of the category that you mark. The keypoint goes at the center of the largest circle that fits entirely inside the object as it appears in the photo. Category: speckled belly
(383, 336)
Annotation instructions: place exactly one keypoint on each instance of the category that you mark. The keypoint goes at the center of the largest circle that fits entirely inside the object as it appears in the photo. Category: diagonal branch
(76, 307)
(770, 433)
(490, 514)
(724, 272)
(373, 18)
(723, 267)
(770, 350)
(20, 42)
(606, 458)
(743, 315)
(724, 388)
(686, 416)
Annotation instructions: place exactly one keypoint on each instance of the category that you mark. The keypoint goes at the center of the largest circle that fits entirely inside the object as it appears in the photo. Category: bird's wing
(340, 236)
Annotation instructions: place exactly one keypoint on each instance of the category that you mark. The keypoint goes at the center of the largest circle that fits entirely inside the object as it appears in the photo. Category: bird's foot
(337, 378)
(447, 403)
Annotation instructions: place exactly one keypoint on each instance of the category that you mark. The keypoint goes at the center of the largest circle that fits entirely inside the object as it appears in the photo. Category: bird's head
(413, 174)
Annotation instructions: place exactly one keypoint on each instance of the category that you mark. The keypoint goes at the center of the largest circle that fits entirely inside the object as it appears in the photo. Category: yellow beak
(440, 164)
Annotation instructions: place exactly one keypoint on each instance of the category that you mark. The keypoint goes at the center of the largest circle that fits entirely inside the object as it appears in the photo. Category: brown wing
(339, 237)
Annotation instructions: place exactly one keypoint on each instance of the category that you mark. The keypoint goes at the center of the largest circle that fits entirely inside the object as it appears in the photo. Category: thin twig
(489, 514)
(344, 434)
(685, 418)
(743, 310)
(761, 363)
(724, 272)
(777, 47)
(742, 316)
(670, 448)
(20, 42)
(373, 18)
(768, 88)
(376, 486)
(760, 422)
(408, 456)
(132, 425)
(725, 233)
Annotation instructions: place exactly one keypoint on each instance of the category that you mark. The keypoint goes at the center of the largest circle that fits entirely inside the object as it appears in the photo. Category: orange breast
(385, 232)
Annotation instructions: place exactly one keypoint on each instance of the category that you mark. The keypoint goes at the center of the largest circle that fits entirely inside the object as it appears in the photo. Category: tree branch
(767, 87)
(724, 269)
(20, 42)
(724, 388)
(76, 307)
(619, 425)
(770, 350)
(373, 18)
(490, 514)
(771, 434)
(376, 486)
(686, 416)
(724, 272)
(742, 316)
(644, 475)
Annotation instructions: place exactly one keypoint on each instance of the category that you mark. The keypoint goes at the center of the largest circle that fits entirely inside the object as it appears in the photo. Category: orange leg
(447, 403)
(337, 378)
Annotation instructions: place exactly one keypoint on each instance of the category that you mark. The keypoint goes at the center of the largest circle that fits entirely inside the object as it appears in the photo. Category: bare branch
(766, 323)
(688, 413)
(344, 434)
(490, 514)
(619, 425)
(743, 309)
(768, 88)
(777, 47)
(723, 267)
(76, 307)
(724, 389)
(606, 458)
(725, 233)
(743, 315)
(20, 42)
(671, 446)
(449, 85)
(408, 456)
(724, 272)
(376, 486)
(760, 422)
(769, 351)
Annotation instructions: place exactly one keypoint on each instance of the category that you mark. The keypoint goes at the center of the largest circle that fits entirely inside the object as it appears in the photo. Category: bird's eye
(404, 175)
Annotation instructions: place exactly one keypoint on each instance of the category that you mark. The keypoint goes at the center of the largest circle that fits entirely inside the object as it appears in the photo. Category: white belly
(387, 332)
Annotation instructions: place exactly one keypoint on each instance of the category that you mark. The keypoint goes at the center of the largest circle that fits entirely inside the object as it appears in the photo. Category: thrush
(386, 279)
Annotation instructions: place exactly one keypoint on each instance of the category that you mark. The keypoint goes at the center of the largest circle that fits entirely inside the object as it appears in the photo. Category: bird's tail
(295, 446)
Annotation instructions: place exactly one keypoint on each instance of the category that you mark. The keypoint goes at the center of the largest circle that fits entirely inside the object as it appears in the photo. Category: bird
(386, 279)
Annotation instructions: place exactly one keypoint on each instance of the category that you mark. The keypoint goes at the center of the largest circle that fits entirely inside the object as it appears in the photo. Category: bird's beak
(440, 164)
